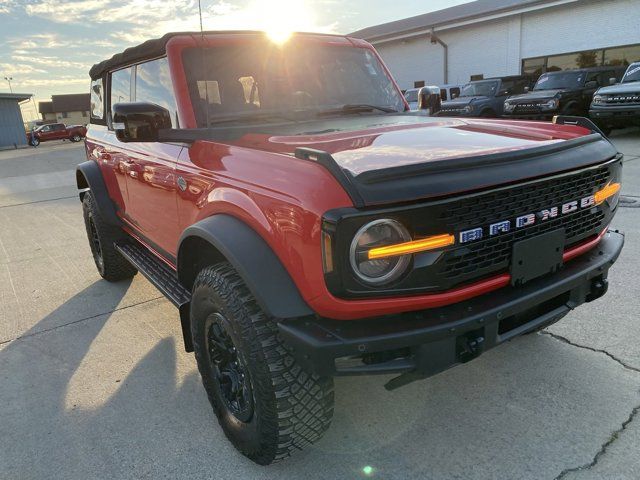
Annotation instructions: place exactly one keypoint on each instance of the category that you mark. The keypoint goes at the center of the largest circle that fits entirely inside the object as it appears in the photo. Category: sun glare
(280, 18)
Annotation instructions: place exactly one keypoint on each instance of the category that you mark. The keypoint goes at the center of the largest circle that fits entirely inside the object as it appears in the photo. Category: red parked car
(56, 131)
(307, 225)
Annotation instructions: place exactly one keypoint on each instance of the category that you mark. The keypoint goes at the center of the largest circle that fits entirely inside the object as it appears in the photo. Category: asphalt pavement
(94, 382)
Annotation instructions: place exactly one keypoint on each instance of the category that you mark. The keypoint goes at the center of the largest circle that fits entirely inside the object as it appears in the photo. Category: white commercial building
(489, 38)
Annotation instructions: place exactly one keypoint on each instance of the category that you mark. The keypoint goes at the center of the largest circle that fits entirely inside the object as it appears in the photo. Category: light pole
(8, 79)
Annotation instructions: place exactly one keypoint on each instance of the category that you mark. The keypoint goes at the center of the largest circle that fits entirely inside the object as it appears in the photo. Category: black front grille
(622, 99)
(527, 108)
(492, 254)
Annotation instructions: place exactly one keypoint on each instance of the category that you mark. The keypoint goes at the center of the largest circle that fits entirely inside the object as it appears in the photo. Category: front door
(149, 168)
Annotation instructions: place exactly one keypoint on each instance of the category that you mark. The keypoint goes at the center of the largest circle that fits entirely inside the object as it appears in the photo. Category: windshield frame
(551, 75)
(633, 69)
(477, 83)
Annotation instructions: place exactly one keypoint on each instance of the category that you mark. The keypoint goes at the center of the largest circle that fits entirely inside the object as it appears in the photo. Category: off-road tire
(75, 138)
(34, 142)
(102, 236)
(291, 407)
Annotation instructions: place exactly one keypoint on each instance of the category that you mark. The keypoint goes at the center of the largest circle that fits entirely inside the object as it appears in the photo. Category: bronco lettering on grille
(527, 220)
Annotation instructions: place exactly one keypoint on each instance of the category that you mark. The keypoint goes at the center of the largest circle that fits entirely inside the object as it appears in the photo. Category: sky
(48, 46)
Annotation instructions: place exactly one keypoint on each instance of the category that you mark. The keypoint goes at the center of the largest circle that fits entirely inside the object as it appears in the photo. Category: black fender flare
(253, 259)
(89, 177)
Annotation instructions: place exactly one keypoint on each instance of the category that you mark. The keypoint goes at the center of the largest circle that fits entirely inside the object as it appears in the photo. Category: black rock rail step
(164, 279)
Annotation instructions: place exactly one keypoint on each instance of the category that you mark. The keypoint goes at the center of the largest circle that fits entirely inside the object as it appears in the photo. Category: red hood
(424, 140)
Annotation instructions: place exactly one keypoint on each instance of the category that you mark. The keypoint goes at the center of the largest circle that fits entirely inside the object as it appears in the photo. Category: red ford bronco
(307, 225)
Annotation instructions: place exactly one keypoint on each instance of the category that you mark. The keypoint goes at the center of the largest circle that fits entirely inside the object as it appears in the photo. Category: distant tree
(587, 59)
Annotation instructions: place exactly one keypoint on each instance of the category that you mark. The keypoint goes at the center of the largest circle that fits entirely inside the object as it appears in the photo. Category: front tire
(102, 236)
(34, 142)
(267, 405)
(76, 138)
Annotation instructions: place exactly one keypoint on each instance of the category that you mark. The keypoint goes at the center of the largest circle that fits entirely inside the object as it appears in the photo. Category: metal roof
(465, 11)
(18, 97)
(73, 102)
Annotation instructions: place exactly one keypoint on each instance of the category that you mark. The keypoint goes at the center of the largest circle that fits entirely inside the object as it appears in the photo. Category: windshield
(632, 74)
(479, 89)
(558, 81)
(411, 95)
(253, 80)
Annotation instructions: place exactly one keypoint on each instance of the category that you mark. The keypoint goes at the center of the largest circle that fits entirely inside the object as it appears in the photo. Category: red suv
(307, 225)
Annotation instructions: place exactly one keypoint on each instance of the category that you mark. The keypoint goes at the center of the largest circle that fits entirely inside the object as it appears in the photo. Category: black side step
(164, 279)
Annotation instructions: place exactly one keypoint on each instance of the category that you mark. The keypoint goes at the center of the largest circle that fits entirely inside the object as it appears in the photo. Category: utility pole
(8, 79)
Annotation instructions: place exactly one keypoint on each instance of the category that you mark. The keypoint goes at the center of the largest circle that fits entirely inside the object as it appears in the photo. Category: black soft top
(154, 48)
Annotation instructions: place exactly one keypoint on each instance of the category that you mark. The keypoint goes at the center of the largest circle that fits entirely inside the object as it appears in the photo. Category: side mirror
(613, 81)
(526, 89)
(454, 96)
(429, 99)
(139, 122)
(591, 84)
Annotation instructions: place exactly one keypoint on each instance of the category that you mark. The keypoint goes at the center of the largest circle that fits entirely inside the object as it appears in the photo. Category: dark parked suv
(568, 92)
(618, 105)
(484, 98)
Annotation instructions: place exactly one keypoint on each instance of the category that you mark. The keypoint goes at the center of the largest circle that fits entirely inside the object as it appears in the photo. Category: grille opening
(374, 358)
(515, 321)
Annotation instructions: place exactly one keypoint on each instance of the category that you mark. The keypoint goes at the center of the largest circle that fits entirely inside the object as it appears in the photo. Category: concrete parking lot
(94, 382)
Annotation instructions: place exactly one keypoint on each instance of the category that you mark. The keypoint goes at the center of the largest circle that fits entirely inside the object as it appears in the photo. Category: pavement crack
(562, 339)
(47, 330)
(603, 449)
(38, 201)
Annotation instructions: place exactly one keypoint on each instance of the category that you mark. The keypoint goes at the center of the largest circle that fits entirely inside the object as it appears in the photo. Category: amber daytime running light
(608, 191)
(429, 243)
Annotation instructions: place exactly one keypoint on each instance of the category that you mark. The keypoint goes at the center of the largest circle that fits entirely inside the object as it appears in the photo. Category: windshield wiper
(252, 117)
(357, 108)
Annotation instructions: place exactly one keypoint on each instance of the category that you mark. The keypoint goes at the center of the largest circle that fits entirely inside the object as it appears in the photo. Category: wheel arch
(222, 238)
(89, 178)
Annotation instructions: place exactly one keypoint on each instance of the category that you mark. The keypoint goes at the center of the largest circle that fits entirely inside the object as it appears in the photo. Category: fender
(253, 259)
(89, 176)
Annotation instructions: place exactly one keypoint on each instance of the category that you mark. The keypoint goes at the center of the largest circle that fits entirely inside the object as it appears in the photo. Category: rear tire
(102, 236)
(267, 405)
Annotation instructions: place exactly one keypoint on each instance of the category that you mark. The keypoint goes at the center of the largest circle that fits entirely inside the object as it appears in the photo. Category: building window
(418, 84)
(65, 115)
(619, 56)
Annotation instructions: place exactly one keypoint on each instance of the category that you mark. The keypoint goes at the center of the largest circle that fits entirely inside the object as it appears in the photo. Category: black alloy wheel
(230, 374)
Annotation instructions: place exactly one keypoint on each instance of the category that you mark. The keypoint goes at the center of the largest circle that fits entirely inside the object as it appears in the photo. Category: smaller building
(71, 109)
(12, 132)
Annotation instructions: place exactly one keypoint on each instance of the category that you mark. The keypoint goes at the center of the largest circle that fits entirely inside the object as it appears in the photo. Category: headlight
(379, 233)
(550, 105)
(508, 107)
(598, 99)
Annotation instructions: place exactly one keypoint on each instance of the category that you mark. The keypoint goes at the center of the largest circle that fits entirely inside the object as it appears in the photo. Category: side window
(507, 85)
(121, 86)
(455, 92)
(153, 85)
(593, 76)
(443, 94)
(97, 102)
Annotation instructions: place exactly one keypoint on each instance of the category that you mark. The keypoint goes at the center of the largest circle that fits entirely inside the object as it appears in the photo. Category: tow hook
(599, 287)
(470, 346)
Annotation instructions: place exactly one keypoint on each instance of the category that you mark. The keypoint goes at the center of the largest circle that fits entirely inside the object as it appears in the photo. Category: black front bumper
(421, 344)
(616, 116)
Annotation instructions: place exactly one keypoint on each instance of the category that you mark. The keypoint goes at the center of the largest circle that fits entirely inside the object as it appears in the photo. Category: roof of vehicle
(157, 47)
(587, 69)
